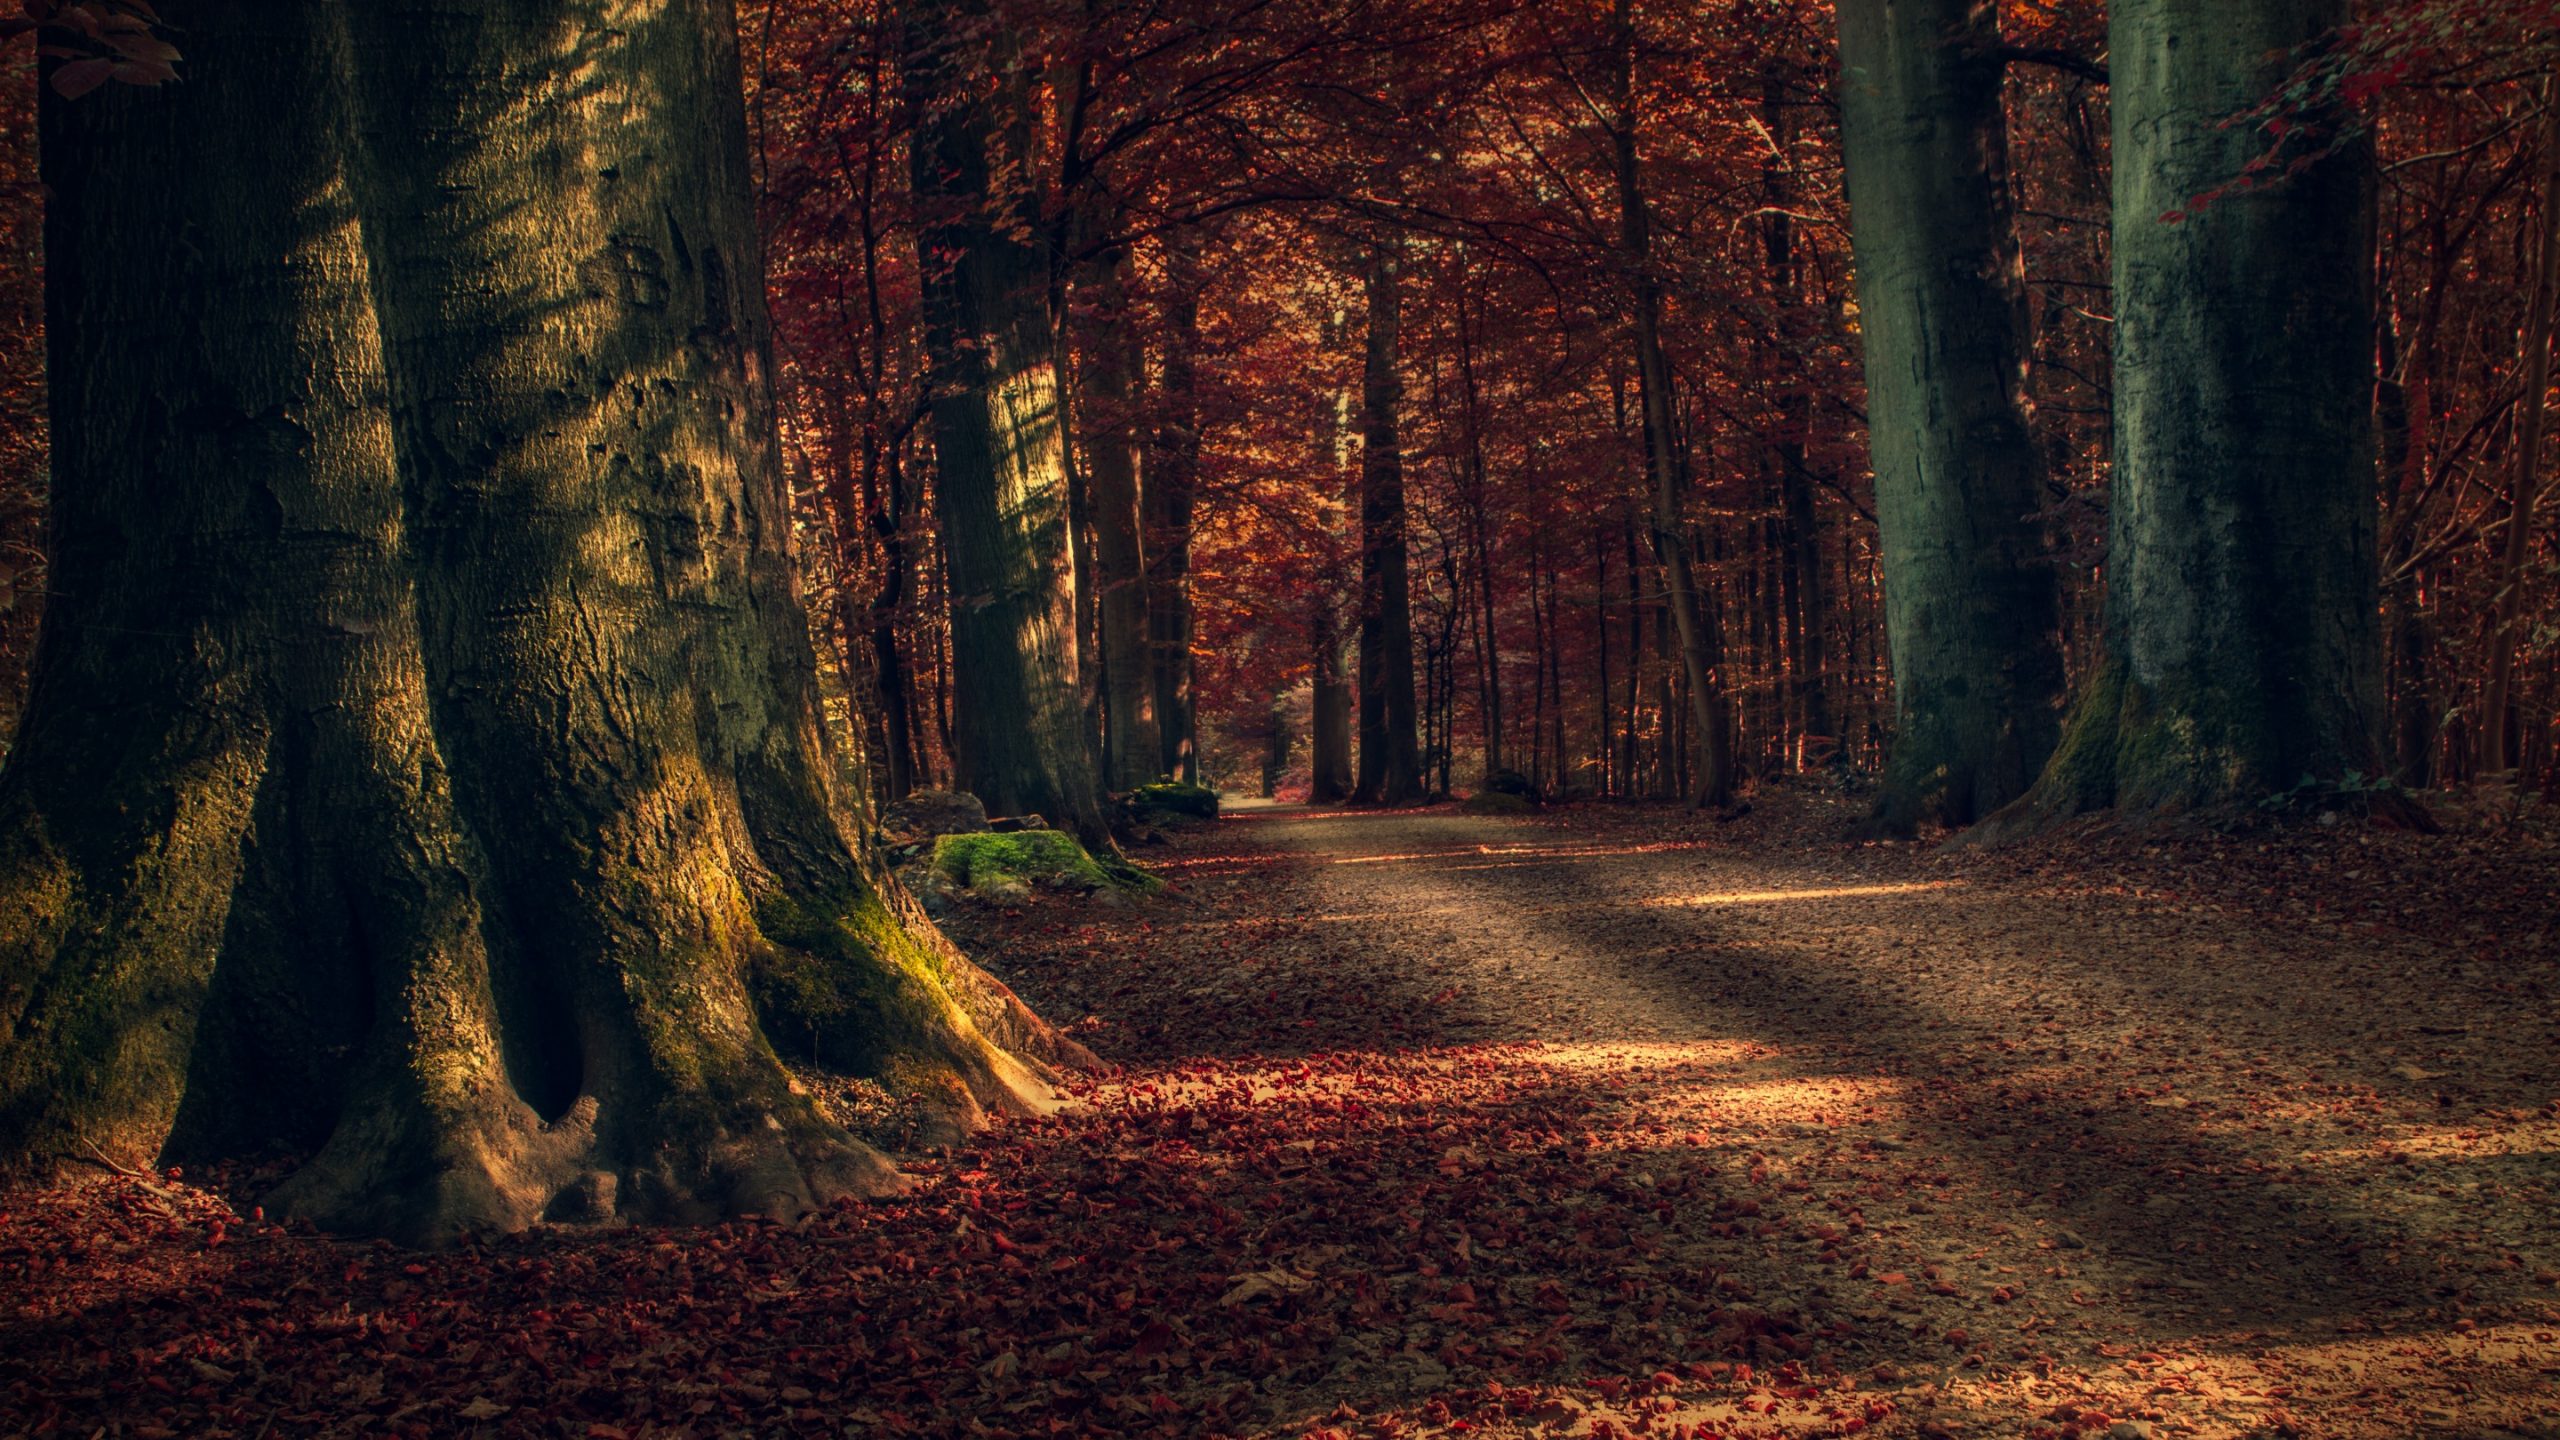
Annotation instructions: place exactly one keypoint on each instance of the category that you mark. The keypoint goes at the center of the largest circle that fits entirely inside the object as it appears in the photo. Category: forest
(1333, 719)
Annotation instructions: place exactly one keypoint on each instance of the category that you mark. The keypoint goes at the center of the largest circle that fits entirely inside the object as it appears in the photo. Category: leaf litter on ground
(1606, 1121)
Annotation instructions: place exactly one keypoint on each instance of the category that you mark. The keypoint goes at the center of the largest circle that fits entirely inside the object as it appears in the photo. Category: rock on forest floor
(1600, 1122)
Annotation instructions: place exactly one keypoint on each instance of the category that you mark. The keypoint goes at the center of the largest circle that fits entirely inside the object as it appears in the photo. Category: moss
(842, 984)
(1011, 863)
(1497, 802)
(1176, 797)
(2081, 776)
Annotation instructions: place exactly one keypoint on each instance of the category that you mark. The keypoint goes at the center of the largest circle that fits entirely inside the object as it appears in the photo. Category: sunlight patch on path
(1834, 892)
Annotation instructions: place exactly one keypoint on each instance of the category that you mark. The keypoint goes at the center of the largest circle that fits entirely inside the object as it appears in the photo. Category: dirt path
(1602, 1123)
(2030, 1162)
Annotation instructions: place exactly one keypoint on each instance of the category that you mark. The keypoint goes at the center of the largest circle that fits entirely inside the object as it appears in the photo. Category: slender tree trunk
(1635, 656)
(1603, 746)
(1275, 745)
(1002, 488)
(1694, 622)
(1173, 472)
(1331, 724)
(1799, 520)
(2242, 624)
(2498, 750)
(453, 803)
(1475, 505)
(1133, 750)
(897, 685)
(1390, 765)
(1971, 604)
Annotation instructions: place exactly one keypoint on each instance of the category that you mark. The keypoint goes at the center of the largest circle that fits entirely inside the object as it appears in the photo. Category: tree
(1001, 488)
(2497, 725)
(425, 769)
(1132, 748)
(2242, 632)
(1970, 600)
(1390, 758)
(1173, 473)
(1700, 642)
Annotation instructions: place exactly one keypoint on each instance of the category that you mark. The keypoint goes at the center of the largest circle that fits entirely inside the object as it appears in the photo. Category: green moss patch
(1175, 797)
(999, 865)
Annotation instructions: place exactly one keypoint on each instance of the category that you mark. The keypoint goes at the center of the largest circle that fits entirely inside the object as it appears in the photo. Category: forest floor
(1607, 1121)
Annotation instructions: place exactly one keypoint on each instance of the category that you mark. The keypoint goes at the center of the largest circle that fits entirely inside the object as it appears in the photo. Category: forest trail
(1605, 1122)
(2039, 1153)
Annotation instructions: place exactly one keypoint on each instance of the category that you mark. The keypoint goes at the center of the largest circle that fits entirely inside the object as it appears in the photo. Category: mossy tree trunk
(2242, 622)
(1971, 604)
(424, 772)
(1001, 486)
(1390, 757)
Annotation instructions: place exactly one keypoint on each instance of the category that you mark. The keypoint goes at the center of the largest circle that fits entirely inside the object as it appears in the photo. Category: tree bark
(1696, 624)
(1001, 484)
(1330, 740)
(1173, 476)
(1799, 522)
(1390, 757)
(2242, 620)
(1971, 603)
(452, 801)
(1132, 748)
(2498, 750)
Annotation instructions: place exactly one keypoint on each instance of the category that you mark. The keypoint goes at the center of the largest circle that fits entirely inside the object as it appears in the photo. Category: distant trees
(425, 771)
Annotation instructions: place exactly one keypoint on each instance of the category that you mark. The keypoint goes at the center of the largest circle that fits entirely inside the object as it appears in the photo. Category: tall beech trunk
(1390, 758)
(1001, 484)
(1173, 477)
(450, 802)
(2242, 619)
(1972, 607)
(1132, 750)
(1691, 615)
(2498, 750)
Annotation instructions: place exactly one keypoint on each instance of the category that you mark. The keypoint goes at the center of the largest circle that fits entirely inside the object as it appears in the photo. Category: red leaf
(81, 76)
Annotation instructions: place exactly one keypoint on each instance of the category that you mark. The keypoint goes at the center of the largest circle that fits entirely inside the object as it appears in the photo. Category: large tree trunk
(1001, 485)
(1173, 474)
(1390, 759)
(1132, 751)
(1971, 604)
(425, 766)
(2242, 629)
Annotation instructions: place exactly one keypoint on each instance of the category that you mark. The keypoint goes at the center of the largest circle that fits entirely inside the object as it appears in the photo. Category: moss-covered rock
(1174, 798)
(1497, 802)
(1000, 866)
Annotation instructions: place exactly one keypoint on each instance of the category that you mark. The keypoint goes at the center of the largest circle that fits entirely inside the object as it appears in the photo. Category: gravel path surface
(2106, 1165)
